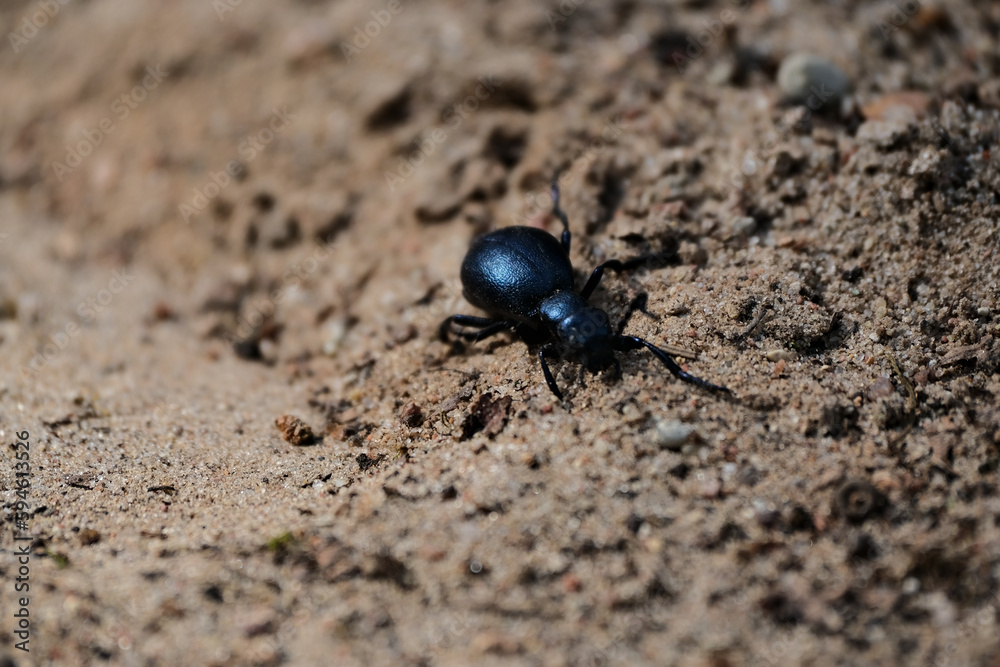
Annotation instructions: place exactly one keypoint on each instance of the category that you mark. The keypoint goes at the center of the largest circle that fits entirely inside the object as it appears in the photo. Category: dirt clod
(294, 430)
(488, 415)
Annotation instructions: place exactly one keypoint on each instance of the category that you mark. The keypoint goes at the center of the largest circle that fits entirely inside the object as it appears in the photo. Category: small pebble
(744, 226)
(672, 434)
(721, 73)
(811, 80)
(881, 388)
(336, 332)
(889, 106)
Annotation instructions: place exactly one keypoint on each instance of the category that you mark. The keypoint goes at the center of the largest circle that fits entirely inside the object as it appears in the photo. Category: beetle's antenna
(623, 343)
(559, 213)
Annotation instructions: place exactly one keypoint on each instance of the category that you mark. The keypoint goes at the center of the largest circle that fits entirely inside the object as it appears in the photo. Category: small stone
(294, 430)
(892, 105)
(672, 434)
(811, 80)
(721, 73)
(780, 355)
(743, 226)
(89, 536)
(163, 311)
(336, 333)
(259, 621)
(881, 388)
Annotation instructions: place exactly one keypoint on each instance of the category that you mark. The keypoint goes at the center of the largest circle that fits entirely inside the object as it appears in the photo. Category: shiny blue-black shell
(509, 272)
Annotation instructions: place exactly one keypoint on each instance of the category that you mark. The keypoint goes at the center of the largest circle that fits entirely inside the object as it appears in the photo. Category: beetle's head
(587, 332)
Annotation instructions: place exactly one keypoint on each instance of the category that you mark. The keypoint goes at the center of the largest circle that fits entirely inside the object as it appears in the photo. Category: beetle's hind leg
(624, 343)
(486, 326)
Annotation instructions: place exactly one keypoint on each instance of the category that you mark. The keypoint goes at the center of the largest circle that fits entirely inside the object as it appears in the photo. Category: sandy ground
(213, 215)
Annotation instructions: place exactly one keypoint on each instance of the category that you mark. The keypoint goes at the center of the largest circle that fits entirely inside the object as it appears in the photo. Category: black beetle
(523, 277)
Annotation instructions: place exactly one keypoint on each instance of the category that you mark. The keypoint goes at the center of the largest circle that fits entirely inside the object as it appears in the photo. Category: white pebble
(672, 434)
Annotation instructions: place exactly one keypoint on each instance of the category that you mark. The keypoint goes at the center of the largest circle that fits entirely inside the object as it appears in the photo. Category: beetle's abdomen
(510, 271)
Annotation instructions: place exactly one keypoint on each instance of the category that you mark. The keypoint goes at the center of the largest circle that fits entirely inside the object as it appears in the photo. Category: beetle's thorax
(558, 306)
(576, 325)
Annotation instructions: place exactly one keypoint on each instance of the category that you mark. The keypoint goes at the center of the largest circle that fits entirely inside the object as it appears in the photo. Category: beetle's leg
(583, 379)
(486, 326)
(633, 343)
(638, 303)
(549, 380)
(617, 265)
(561, 214)
(595, 277)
